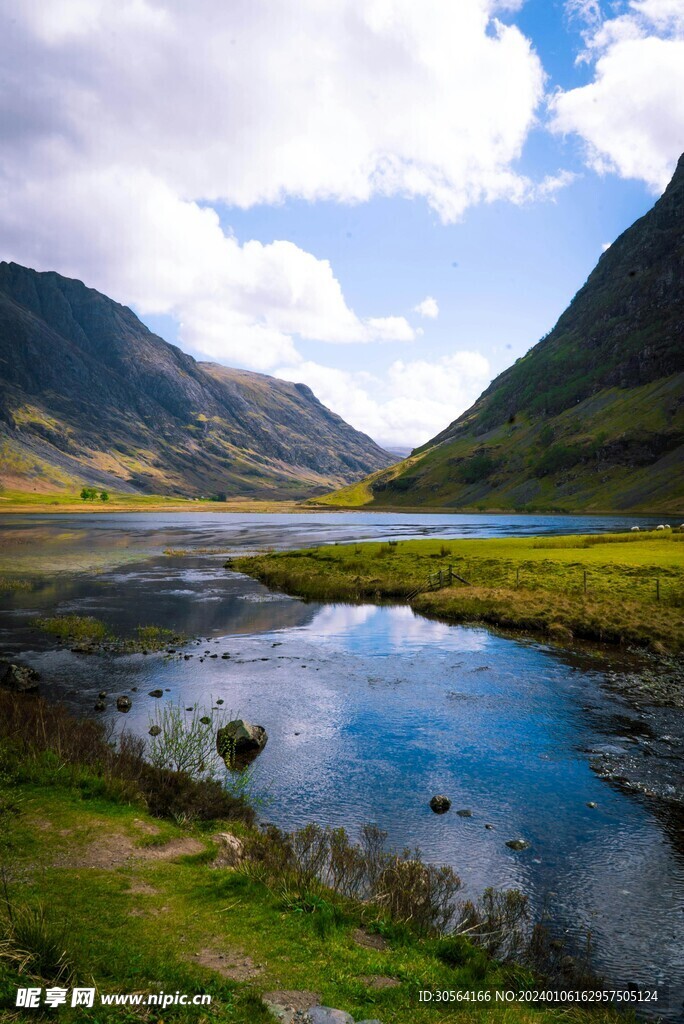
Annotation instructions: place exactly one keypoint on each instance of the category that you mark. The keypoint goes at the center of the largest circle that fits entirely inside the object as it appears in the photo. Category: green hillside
(592, 418)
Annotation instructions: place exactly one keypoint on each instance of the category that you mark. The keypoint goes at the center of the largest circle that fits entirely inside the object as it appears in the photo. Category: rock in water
(156, 693)
(18, 678)
(440, 804)
(123, 704)
(240, 740)
(155, 730)
(518, 844)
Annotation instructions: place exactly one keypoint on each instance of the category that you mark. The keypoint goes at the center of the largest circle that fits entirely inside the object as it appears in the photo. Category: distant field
(63, 501)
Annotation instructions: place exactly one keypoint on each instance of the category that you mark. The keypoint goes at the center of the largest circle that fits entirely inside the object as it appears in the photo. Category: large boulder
(440, 804)
(240, 741)
(18, 678)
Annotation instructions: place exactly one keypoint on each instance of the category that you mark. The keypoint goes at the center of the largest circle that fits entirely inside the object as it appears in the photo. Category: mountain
(89, 395)
(592, 418)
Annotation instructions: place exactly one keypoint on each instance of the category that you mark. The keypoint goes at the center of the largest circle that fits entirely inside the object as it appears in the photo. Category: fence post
(657, 590)
(585, 581)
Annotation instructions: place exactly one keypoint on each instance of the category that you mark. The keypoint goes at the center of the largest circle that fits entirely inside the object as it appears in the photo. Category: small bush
(405, 889)
(477, 468)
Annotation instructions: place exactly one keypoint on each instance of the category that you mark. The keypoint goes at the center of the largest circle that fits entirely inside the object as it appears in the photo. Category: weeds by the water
(46, 745)
(91, 633)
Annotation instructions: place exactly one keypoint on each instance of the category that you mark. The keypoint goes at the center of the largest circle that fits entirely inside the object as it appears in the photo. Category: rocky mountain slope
(592, 418)
(89, 395)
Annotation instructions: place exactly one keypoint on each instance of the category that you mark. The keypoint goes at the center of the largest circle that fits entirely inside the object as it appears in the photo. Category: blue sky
(281, 186)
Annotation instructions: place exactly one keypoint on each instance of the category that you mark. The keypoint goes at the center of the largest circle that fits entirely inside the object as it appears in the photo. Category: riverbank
(22, 502)
(99, 891)
(622, 589)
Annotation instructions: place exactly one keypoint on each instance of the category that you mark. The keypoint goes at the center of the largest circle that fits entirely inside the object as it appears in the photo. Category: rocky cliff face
(87, 393)
(593, 416)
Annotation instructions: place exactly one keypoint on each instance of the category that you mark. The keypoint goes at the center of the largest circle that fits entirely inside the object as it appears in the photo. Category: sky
(388, 200)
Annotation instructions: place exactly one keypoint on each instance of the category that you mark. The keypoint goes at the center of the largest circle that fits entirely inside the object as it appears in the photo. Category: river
(371, 710)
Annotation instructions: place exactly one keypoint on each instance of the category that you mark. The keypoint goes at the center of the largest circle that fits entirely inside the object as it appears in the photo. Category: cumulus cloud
(413, 402)
(428, 308)
(123, 126)
(631, 116)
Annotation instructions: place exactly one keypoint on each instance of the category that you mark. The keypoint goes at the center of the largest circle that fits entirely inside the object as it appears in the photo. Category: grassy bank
(612, 588)
(105, 884)
(68, 501)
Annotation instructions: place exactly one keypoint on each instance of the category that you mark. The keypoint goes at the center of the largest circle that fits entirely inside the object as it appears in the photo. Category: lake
(371, 710)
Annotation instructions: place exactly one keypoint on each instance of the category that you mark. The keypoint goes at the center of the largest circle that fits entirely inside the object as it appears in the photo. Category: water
(372, 710)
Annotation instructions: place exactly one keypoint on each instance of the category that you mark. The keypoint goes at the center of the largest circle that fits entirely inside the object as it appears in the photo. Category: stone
(289, 1007)
(240, 739)
(18, 678)
(231, 850)
(517, 844)
(102, 694)
(591, 803)
(326, 1015)
(440, 804)
(465, 813)
(155, 730)
(205, 720)
(156, 693)
(99, 705)
(123, 704)
(489, 827)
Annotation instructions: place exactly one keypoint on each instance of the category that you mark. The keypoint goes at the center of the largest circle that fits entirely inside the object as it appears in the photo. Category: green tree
(104, 496)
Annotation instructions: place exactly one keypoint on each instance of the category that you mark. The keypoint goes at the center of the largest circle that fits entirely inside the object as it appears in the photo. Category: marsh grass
(87, 631)
(614, 588)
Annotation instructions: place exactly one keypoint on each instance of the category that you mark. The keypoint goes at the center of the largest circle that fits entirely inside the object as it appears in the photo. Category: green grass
(91, 632)
(533, 584)
(136, 925)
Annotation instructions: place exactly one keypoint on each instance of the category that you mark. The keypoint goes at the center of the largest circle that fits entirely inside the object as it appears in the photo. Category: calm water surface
(371, 710)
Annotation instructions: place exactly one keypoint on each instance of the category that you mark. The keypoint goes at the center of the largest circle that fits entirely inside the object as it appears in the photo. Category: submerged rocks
(156, 693)
(124, 704)
(440, 804)
(240, 740)
(18, 678)
(155, 730)
(465, 813)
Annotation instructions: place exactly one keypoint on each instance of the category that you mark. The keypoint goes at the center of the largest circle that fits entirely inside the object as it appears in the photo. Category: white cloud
(122, 125)
(408, 406)
(428, 308)
(631, 116)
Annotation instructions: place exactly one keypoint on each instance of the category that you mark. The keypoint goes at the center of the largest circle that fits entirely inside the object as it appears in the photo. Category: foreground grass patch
(96, 892)
(613, 588)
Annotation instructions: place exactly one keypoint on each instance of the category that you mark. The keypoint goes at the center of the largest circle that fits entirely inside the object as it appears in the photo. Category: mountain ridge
(592, 417)
(89, 394)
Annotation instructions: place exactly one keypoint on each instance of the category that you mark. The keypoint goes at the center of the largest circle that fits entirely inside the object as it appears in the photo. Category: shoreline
(56, 504)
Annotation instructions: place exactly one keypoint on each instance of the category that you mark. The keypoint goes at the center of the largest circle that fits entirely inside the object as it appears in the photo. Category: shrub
(477, 468)
(405, 889)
